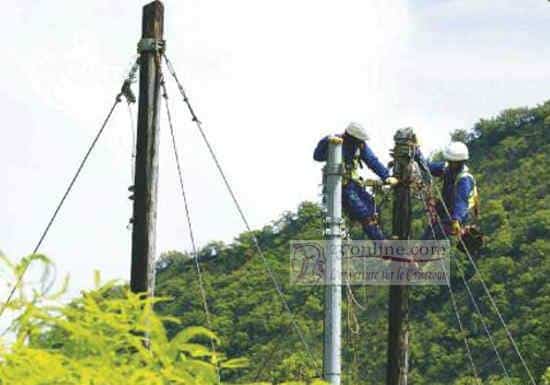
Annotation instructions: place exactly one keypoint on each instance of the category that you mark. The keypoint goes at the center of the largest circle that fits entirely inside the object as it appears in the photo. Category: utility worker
(357, 203)
(460, 195)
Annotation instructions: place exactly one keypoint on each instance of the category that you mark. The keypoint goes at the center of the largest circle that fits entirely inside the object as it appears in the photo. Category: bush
(107, 336)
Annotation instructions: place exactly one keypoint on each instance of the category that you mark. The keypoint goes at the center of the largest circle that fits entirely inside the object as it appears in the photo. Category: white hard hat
(357, 131)
(456, 152)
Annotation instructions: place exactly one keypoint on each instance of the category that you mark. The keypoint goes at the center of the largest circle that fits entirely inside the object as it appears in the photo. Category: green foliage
(107, 336)
(510, 156)
(546, 377)
(461, 136)
(98, 339)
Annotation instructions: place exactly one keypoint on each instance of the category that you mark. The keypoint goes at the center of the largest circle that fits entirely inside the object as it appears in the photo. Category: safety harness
(473, 197)
(472, 237)
(351, 168)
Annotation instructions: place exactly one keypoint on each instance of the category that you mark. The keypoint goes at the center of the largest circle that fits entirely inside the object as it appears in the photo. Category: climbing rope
(118, 98)
(240, 211)
(488, 293)
(353, 327)
(353, 331)
(454, 303)
(475, 303)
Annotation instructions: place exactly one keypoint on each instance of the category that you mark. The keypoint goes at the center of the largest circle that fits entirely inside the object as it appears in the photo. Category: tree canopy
(510, 159)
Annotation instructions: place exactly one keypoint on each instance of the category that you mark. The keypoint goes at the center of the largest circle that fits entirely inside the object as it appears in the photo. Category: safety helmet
(357, 131)
(456, 152)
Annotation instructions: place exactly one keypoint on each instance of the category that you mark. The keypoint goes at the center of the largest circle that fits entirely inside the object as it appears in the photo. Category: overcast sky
(268, 79)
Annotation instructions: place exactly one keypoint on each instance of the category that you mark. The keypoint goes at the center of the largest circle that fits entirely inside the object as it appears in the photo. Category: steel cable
(454, 304)
(81, 165)
(489, 295)
(188, 218)
(477, 309)
(240, 211)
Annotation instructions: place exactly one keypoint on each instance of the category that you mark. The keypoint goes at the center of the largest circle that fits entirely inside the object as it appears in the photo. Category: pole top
(153, 20)
(405, 135)
(156, 3)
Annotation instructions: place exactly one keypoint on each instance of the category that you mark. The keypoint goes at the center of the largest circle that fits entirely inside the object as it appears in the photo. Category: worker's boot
(372, 230)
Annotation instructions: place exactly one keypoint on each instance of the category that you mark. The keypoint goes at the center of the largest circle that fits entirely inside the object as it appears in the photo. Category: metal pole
(146, 170)
(333, 270)
(398, 337)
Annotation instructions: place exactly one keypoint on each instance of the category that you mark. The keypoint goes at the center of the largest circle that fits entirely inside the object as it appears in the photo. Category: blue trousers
(359, 206)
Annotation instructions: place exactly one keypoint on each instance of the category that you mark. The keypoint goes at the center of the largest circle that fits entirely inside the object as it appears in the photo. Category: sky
(267, 78)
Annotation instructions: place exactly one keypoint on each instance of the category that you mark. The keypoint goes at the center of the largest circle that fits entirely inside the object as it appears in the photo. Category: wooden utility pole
(147, 145)
(398, 338)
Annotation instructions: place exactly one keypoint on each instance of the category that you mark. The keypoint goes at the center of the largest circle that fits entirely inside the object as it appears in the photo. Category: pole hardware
(127, 92)
(334, 169)
(148, 44)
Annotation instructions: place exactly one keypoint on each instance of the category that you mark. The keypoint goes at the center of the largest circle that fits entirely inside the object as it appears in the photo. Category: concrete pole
(333, 268)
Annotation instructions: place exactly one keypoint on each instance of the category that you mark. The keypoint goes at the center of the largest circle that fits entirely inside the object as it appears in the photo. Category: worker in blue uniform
(460, 195)
(357, 203)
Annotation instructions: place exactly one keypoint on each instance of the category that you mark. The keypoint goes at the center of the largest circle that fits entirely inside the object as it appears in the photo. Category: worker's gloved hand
(392, 181)
(455, 228)
(335, 140)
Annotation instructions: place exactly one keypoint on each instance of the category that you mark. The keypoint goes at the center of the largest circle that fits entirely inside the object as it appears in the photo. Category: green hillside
(510, 157)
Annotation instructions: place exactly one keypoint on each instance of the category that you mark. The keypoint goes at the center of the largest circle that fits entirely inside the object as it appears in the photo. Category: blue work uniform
(458, 191)
(357, 203)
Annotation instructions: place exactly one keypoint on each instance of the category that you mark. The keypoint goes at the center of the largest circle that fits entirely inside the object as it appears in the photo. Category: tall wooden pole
(398, 338)
(147, 145)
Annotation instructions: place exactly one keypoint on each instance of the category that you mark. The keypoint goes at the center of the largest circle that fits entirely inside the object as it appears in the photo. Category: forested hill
(511, 160)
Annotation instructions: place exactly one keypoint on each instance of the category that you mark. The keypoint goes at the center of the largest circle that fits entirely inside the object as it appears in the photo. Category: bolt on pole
(333, 271)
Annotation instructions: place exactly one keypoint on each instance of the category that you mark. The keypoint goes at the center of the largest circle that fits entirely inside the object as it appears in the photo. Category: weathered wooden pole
(398, 338)
(147, 145)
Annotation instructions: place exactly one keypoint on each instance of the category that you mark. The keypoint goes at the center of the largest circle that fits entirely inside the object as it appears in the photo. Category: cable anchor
(126, 89)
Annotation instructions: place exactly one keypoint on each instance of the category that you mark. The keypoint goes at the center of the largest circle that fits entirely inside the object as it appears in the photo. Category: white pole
(333, 266)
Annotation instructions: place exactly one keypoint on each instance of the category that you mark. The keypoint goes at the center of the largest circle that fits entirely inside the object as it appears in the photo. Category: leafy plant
(106, 336)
